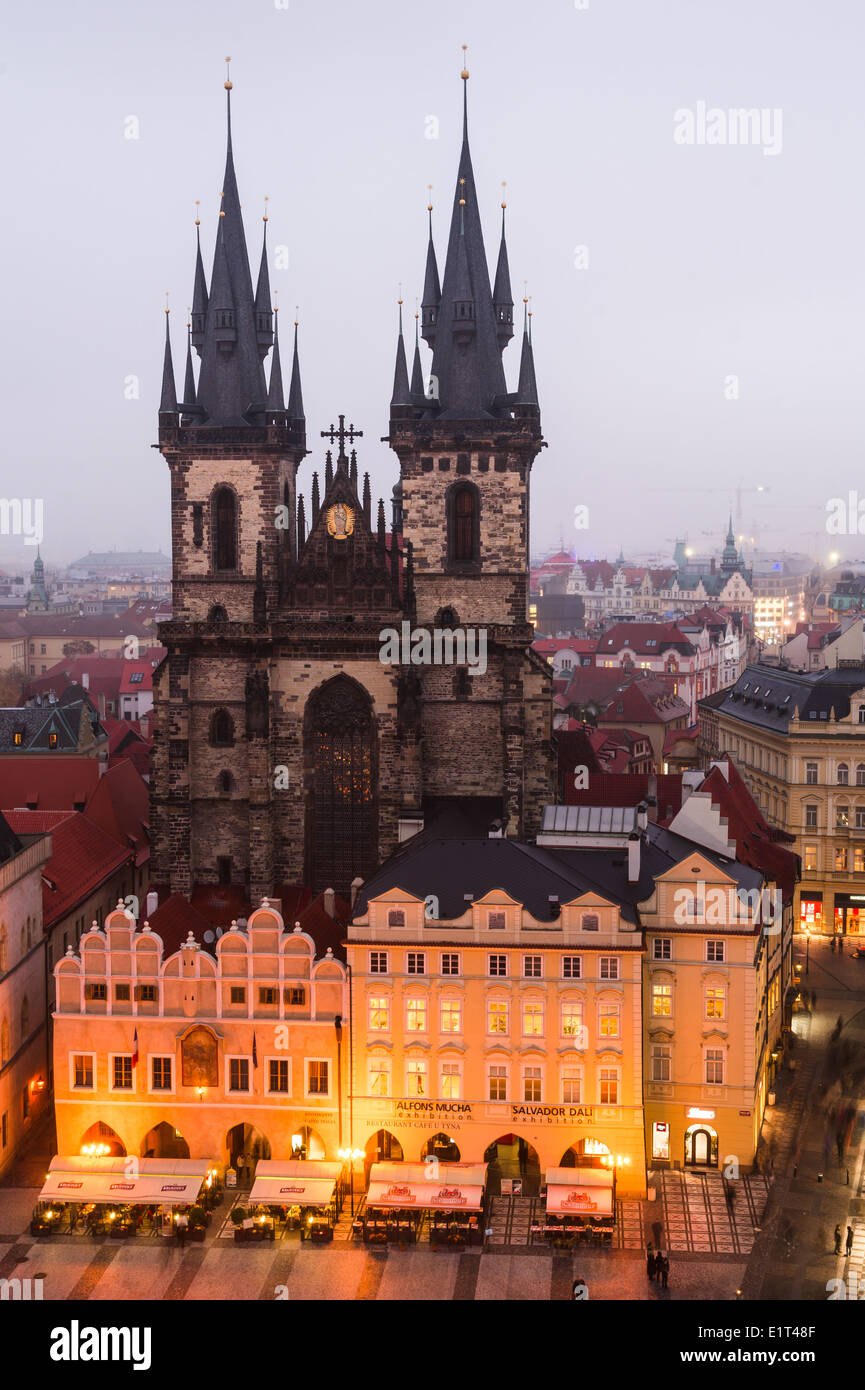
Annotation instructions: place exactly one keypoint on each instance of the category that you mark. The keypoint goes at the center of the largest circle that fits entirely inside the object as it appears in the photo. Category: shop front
(849, 914)
(297, 1194)
(446, 1197)
(580, 1206)
(811, 911)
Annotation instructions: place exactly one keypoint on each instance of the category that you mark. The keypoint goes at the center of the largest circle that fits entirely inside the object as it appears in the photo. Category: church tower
(465, 446)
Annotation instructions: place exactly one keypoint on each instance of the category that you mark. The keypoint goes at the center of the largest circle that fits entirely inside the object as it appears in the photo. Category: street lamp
(351, 1156)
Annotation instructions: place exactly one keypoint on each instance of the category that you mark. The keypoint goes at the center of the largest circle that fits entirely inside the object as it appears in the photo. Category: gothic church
(286, 752)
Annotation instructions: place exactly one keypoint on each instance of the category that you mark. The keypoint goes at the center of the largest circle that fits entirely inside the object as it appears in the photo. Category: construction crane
(739, 490)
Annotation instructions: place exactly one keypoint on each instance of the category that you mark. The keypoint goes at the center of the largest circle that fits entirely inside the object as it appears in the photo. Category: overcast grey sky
(704, 262)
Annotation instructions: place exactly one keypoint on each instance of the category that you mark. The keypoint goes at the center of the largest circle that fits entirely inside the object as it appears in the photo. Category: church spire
(431, 288)
(189, 379)
(416, 368)
(263, 315)
(527, 390)
(467, 362)
(168, 400)
(199, 292)
(295, 395)
(401, 396)
(275, 394)
(503, 302)
(231, 387)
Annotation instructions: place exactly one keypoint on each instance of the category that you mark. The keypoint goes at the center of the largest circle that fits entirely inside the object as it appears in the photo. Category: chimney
(152, 904)
(634, 857)
(356, 884)
(329, 902)
(85, 680)
(642, 815)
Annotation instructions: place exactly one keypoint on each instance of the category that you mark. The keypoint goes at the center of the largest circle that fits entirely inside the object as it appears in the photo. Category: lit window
(572, 1019)
(497, 1016)
(317, 1078)
(498, 1083)
(379, 1076)
(121, 1078)
(715, 998)
(608, 1021)
(533, 1019)
(572, 1085)
(379, 1014)
(451, 1081)
(609, 1086)
(841, 858)
(416, 1077)
(714, 1066)
(842, 817)
(811, 857)
(83, 1072)
(416, 1012)
(451, 1016)
(662, 1000)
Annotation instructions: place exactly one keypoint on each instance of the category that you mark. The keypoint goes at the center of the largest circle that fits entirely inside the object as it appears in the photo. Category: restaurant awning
(580, 1191)
(458, 1186)
(294, 1182)
(169, 1181)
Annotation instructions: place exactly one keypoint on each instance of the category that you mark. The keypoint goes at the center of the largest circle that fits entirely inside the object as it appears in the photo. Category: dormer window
(590, 921)
(18, 738)
(395, 917)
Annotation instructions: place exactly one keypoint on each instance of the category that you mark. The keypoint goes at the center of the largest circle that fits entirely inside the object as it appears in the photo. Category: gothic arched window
(224, 529)
(463, 524)
(225, 782)
(217, 615)
(341, 758)
(221, 729)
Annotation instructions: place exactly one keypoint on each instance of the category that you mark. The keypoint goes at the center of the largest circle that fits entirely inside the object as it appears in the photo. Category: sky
(698, 308)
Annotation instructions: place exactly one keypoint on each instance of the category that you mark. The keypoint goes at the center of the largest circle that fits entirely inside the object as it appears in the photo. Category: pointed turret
(417, 388)
(189, 379)
(729, 556)
(328, 471)
(431, 289)
(295, 395)
(199, 293)
(367, 501)
(275, 394)
(352, 468)
(503, 303)
(381, 526)
(231, 387)
(467, 364)
(264, 319)
(401, 398)
(316, 501)
(168, 400)
(527, 390)
(301, 525)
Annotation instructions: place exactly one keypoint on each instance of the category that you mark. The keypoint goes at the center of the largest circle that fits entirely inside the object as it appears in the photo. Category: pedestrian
(579, 1290)
(849, 1241)
(665, 1270)
(182, 1223)
(650, 1261)
(837, 1240)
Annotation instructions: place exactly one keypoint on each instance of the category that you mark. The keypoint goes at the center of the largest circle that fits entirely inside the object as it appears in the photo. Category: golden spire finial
(525, 291)
(504, 186)
(296, 314)
(266, 201)
(276, 301)
(399, 301)
(228, 82)
(188, 319)
(462, 200)
(429, 206)
(465, 72)
(167, 310)
(197, 218)
(416, 314)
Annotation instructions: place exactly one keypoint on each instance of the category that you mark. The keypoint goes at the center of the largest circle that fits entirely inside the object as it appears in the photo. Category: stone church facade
(286, 751)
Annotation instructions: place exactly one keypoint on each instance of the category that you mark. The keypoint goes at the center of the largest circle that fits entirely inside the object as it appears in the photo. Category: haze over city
(698, 264)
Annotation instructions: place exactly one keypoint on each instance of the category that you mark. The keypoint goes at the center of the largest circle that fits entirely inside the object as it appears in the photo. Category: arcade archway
(245, 1144)
(586, 1153)
(164, 1141)
(381, 1147)
(442, 1147)
(103, 1141)
(512, 1160)
(307, 1143)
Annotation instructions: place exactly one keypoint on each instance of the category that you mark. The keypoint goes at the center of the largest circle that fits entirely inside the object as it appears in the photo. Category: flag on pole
(254, 1051)
(135, 1049)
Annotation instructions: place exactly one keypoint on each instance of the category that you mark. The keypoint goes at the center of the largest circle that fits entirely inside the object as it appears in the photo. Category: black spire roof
(275, 394)
(431, 289)
(527, 390)
(467, 362)
(231, 387)
(168, 400)
(295, 395)
(503, 303)
(263, 313)
(199, 294)
(417, 388)
(401, 394)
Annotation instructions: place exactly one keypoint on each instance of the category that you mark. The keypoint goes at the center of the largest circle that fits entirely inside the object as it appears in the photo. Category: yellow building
(798, 739)
(238, 1052)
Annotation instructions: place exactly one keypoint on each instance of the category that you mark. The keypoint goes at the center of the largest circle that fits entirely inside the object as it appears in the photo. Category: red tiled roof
(629, 789)
(144, 669)
(755, 839)
(637, 637)
(120, 804)
(174, 919)
(45, 784)
(36, 822)
(674, 736)
(548, 645)
(83, 858)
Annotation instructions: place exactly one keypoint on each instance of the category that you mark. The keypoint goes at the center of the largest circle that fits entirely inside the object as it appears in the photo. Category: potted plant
(197, 1223)
(238, 1216)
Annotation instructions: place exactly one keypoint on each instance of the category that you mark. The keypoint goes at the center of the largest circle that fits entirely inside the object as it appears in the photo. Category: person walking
(837, 1240)
(849, 1248)
(182, 1223)
(665, 1270)
(650, 1261)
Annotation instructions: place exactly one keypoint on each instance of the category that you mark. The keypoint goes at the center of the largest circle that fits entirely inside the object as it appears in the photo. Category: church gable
(343, 565)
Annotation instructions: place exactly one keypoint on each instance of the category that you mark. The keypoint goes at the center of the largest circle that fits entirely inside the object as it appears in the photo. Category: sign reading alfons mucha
(340, 521)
